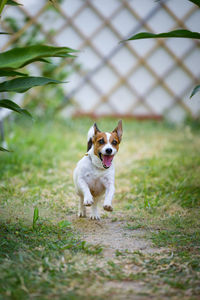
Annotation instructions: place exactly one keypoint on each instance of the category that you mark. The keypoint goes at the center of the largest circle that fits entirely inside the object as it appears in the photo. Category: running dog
(94, 174)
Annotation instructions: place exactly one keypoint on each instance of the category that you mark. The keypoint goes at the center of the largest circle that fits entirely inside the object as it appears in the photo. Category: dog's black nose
(108, 150)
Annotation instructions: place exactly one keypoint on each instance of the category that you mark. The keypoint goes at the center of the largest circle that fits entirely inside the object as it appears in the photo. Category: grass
(157, 191)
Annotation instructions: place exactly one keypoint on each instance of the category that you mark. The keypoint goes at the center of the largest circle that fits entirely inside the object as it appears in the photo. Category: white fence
(146, 78)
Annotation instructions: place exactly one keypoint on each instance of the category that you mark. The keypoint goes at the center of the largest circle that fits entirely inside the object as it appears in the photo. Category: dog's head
(106, 144)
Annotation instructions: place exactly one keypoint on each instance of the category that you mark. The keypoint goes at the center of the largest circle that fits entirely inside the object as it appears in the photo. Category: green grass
(157, 190)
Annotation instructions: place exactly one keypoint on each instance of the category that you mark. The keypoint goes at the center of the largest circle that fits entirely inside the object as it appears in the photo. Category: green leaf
(64, 223)
(197, 2)
(19, 57)
(4, 150)
(2, 4)
(35, 216)
(4, 72)
(180, 33)
(195, 90)
(11, 2)
(6, 103)
(33, 60)
(5, 32)
(22, 84)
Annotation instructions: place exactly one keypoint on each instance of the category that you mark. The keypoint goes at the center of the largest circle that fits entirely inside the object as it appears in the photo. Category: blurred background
(144, 79)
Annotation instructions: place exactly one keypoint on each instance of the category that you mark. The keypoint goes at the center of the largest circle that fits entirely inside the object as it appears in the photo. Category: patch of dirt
(113, 236)
(125, 285)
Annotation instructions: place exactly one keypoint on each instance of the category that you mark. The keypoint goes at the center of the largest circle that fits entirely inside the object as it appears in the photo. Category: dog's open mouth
(106, 160)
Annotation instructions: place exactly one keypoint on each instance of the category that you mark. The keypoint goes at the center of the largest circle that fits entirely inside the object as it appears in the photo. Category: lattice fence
(146, 78)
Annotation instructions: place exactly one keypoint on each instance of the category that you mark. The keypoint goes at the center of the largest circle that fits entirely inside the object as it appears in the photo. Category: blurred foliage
(43, 100)
(28, 48)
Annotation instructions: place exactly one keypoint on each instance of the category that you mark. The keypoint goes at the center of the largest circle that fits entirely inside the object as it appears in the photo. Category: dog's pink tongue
(107, 160)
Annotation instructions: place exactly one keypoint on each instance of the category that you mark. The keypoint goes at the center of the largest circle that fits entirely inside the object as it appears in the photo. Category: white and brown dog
(95, 173)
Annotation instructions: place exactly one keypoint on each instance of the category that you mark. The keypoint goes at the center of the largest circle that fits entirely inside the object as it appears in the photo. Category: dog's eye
(114, 142)
(101, 141)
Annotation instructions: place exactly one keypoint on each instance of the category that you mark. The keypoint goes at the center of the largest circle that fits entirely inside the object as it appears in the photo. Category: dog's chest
(96, 183)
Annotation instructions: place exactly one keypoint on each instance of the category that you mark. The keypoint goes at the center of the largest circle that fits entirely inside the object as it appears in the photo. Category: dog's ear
(119, 130)
(96, 129)
(91, 136)
(89, 144)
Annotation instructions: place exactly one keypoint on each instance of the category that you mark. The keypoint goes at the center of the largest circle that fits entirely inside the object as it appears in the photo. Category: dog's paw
(95, 217)
(88, 202)
(81, 214)
(108, 207)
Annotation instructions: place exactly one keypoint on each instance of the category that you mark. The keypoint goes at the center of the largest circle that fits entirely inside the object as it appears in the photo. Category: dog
(94, 174)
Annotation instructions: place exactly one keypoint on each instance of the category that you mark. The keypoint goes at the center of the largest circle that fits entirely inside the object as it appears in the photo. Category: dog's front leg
(94, 209)
(85, 191)
(110, 190)
(82, 208)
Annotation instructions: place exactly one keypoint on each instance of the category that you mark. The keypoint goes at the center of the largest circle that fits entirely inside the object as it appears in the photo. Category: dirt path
(113, 235)
(117, 239)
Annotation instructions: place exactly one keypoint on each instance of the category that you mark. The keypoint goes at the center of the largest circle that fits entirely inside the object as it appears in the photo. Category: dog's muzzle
(106, 160)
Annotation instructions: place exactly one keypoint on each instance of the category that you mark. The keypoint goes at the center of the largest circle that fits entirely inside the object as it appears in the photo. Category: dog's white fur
(92, 180)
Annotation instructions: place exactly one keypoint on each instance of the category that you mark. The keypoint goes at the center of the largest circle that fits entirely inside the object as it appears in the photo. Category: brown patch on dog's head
(99, 140)
(114, 140)
(116, 136)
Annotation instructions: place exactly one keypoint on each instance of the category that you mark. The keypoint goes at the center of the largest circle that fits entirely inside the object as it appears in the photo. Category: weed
(35, 216)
